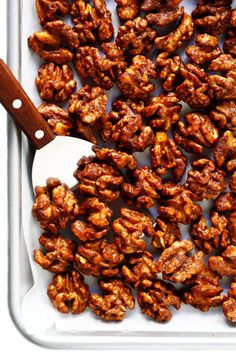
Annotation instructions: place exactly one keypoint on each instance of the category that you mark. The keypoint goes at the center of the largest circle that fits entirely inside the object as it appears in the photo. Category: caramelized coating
(143, 188)
(225, 264)
(169, 70)
(224, 114)
(165, 13)
(123, 125)
(88, 104)
(127, 9)
(205, 180)
(54, 206)
(225, 149)
(90, 63)
(55, 43)
(194, 90)
(165, 233)
(212, 16)
(178, 204)
(92, 23)
(128, 230)
(176, 266)
(98, 179)
(223, 87)
(135, 83)
(114, 304)
(205, 50)
(69, 292)
(86, 131)
(171, 42)
(59, 253)
(55, 83)
(229, 306)
(224, 62)
(165, 155)
(217, 236)
(204, 291)
(98, 258)
(117, 158)
(136, 37)
(226, 202)
(155, 301)
(97, 220)
(50, 10)
(57, 118)
(232, 182)
(140, 271)
(199, 132)
(163, 111)
(149, 5)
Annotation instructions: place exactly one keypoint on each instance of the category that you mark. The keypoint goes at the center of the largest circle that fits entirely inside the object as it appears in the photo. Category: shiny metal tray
(189, 329)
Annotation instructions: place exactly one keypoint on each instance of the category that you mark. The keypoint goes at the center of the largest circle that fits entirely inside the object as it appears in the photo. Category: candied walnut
(140, 271)
(117, 158)
(163, 110)
(123, 125)
(55, 83)
(135, 83)
(59, 253)
(55, 43)
(194, 90)
(149, 5)
(166, 12)
(90, 63)
(165, 233)
(229, 306)
(165, 155)
(169, 70)
(176, 266)
(178, 204)
(96, 226)
(224, 62)
(232, 182)
(68, 291)
(230, 43)
(226, 202)
(217, 236)
(92, 22)
(205, 180)
(50, 10)
(223, 88)
(54, 206)
(88, 104)
(205, 50)
(98, 258)
(171, 42)
(225, 149)
(57, 118)
(127, 9)
(155, 301)
(128, 230)
(142, 189)
(204, 291)
(136, 37)
(114, 304)
(224, 113)
(86, 131)
(98, 179)
(225, 264)
(200, 132)
(212, 17)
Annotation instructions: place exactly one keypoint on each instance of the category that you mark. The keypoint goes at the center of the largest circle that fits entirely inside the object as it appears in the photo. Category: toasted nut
(55, 205)
(169, 70)
(176, 266)
(127, 9)
(225, 264)
(165, 233)
(229, 306)
(225, 149)
(69, 287)
(49, 10)
(224, 113)
(117, 158)
(114, 304)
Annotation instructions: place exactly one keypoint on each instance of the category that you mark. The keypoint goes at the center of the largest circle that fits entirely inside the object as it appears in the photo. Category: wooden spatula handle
(18, 104)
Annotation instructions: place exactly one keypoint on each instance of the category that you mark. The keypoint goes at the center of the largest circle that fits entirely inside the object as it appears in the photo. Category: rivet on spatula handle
(25, 114)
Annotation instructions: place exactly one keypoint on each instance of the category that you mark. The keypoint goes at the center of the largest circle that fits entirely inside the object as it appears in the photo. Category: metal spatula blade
(56, 156)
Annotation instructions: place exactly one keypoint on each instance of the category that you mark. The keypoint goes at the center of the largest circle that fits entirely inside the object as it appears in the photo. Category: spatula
(56, 156)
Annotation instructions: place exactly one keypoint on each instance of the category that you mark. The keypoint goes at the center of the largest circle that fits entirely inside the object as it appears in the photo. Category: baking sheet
(38, 314)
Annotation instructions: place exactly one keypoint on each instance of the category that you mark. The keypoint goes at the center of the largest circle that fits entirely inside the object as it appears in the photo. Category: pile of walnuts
(104, 228)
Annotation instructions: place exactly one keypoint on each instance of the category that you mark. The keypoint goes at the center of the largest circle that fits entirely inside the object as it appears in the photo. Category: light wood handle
(21, 108)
